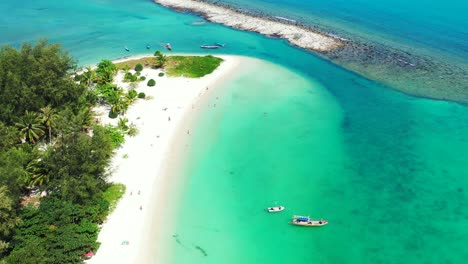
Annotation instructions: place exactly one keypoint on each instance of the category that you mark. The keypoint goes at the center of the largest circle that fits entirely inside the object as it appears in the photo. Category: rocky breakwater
(297, 35)
(404, 70)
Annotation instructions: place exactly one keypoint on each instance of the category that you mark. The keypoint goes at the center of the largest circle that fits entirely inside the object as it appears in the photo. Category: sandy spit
(139, 163)
(295, 34)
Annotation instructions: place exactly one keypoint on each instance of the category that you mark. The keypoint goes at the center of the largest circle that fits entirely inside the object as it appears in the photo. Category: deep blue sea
(388, 170)
(439, 26)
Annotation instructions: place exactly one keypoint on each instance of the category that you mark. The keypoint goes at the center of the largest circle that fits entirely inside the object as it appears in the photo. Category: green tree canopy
(60, 230)
(30, 127)
(8, 219)
(34, 77)
(105, 71)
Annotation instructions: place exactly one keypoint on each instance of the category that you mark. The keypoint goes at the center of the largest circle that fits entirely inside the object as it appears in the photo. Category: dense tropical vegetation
(175, 66)
(54, 155)
(53, 152)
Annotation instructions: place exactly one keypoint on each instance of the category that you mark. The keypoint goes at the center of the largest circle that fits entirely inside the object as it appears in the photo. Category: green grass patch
(113, 194)
(146, 62)
(191, 66)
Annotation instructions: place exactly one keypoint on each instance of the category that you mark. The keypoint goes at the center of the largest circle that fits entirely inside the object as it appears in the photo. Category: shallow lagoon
(387, 170)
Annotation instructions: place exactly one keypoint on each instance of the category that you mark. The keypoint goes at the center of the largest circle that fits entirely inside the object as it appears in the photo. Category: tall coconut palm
(106, 71)
(48, 116)
(88, 77)
(38, 174)
(160, 59)
(30, 126)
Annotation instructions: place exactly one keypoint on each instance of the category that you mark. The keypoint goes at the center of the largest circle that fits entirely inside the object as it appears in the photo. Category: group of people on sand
(126, 242)
(141, 207)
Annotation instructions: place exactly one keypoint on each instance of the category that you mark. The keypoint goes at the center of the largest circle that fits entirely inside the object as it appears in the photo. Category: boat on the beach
(275, 209)
(210, 46)
(168, 46)
(307, 221)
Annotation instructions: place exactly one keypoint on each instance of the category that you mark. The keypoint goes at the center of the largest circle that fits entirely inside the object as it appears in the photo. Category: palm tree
(122, 123)
(126, 68)
(160, 59)
(120, 106)
(89, 76)
(48, 117)
(131, 96)
(37, 173)
(84, 119)
(30, 126)
(105, 71)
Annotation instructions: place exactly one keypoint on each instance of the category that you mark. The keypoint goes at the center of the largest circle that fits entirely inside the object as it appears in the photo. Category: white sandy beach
(140, 162)
(296, 35)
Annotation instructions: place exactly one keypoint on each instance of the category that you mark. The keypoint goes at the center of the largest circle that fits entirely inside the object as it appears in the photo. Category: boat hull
(275, 209)
(307, 221)
(310, 223)
(209, 47)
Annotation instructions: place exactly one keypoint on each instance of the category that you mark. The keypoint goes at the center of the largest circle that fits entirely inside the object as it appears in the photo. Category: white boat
(275, 209)
(209, 46)
(307, 221)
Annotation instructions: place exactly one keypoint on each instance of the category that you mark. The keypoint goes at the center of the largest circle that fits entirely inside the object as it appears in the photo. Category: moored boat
(275, 209)
(168, 46)
(148, 46)
(307, 221)
(127, 49)
(209, 46)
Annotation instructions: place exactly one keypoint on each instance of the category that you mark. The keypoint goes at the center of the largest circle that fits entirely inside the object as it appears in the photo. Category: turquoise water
(387, 170)
(439, 26)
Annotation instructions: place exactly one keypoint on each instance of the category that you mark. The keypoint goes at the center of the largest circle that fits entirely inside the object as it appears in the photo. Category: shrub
(141, 95)
(127, 77)
(113, 194)
(122, 124)
(161, 74)
(151, 82)
(113, 114)
(132, 131)
(116, 136)
(138, 67)
(132, 94)
(77, 78)
(142, 78)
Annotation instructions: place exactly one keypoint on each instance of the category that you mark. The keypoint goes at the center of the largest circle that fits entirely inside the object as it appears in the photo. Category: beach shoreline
(141, 163)
(280, 27)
